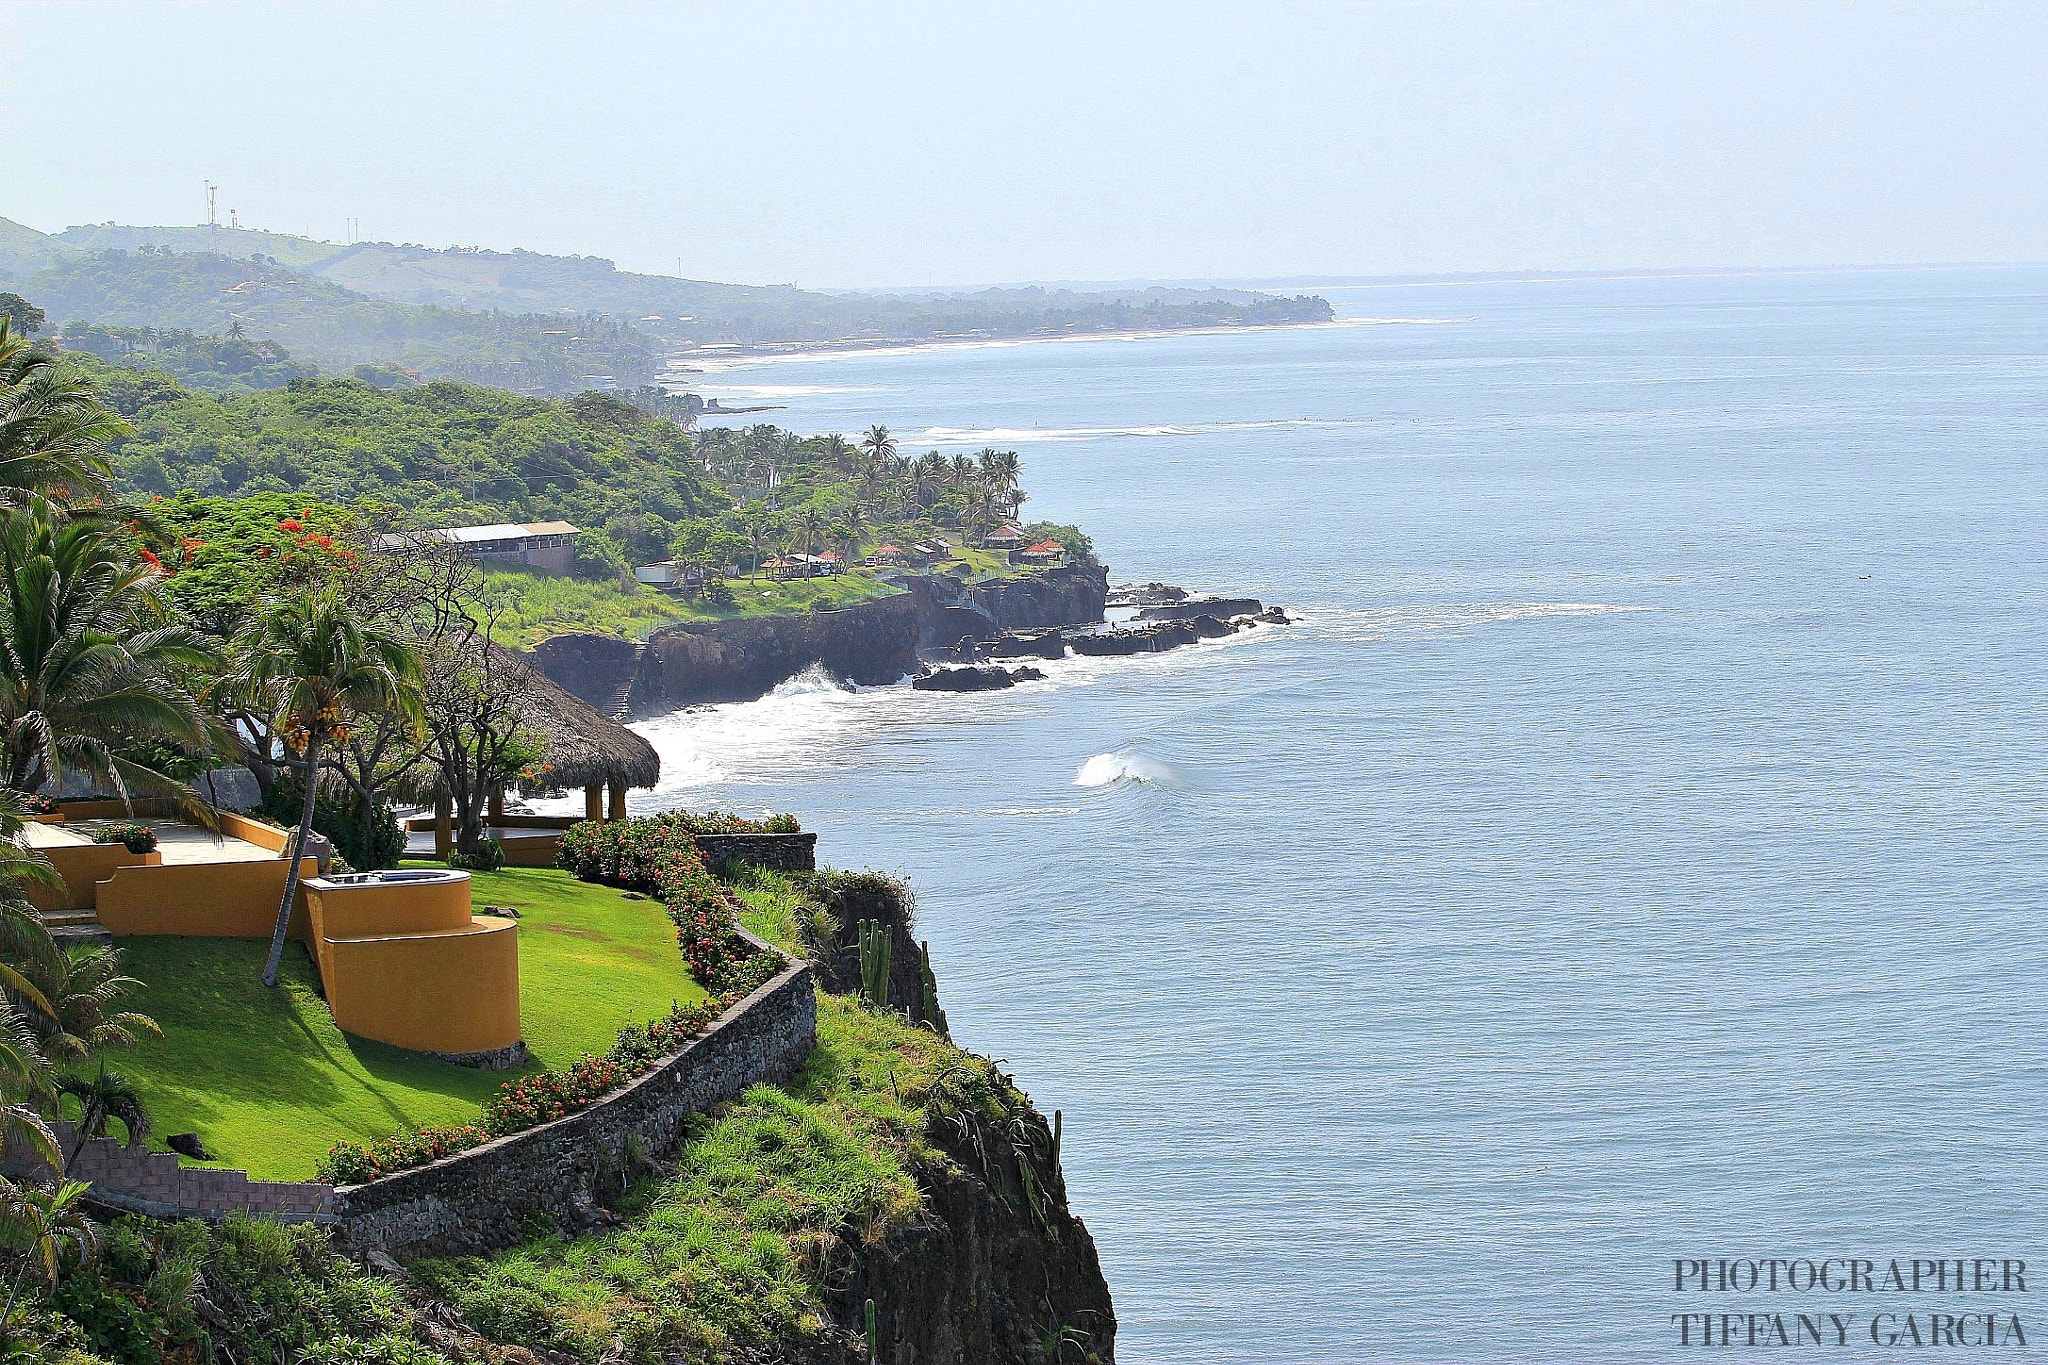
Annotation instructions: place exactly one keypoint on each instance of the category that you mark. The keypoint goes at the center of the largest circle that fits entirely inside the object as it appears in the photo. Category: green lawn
(270, 1083)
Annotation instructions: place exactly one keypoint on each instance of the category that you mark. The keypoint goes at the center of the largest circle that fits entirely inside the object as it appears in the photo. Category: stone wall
(776, 852)
(137, 1180)
(495, 1195)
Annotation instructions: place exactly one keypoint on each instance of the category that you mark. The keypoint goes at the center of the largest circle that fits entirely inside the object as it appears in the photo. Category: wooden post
(444, 833)
(618, 790)
(497, 806)
(593, 801)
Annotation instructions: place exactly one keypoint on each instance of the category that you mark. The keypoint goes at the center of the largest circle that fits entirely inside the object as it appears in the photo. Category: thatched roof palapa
(586, 748)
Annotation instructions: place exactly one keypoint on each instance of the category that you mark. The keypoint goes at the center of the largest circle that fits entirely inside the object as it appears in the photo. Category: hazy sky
(956, 142)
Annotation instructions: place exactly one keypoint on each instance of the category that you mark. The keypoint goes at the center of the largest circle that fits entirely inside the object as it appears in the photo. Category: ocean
(1637, 853)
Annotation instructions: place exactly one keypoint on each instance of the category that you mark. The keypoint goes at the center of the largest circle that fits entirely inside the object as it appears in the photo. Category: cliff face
(996, 1269)
(872, 643)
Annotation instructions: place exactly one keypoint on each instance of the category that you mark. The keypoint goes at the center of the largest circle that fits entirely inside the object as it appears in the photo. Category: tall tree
(323, 672)
(90, 659)
(53, 428)
(879, 443)
(809, 524)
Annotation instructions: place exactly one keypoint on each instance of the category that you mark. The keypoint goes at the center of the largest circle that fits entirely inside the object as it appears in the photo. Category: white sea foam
(1125, 765)
(945, 436)
(1389, 623)
(720, 362)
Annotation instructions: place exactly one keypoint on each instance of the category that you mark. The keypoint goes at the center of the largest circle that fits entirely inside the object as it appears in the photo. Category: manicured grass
(270, 1083)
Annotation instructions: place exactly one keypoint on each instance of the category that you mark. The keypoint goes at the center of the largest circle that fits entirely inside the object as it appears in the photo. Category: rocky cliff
(996, 1269)
(872, 643)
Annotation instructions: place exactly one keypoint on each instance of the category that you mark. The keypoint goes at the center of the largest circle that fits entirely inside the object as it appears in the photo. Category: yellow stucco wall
(448, 992)
(84, 866)
(405, 963)
(200, 900)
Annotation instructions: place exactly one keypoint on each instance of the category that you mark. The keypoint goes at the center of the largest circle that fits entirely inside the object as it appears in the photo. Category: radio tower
(212, 211)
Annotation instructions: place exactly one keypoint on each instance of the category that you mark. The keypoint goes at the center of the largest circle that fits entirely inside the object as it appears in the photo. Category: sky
(882, 143)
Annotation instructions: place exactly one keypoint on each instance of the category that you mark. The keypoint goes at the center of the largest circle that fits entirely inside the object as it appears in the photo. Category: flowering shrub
(531, 1100)
(35, 803)
(656, 854)
(137, 838)
(730, 822)
(352, 1163)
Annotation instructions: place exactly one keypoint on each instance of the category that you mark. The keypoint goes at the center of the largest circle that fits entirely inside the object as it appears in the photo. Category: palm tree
(24, 1076)
(80, 1016)
(1002, 469)
(878, 442)
(838, 450)
(236, 331)
(964, 471)
(106, 1096)
(53, 429)
(810, 524)
(89, 657)
(42, 1224)
(853, 528)
(928, 477)
(320, 669)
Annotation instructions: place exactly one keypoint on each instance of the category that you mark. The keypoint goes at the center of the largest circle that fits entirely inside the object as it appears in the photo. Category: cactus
(933, 1015)
(876, 944)
(874, 1339)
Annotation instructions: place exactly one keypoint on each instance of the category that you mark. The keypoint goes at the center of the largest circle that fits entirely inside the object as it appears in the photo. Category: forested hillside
(503, 316)
(330, 326)
(446, 453)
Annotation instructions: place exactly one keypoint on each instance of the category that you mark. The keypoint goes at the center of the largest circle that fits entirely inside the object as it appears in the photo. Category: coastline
(679, 365)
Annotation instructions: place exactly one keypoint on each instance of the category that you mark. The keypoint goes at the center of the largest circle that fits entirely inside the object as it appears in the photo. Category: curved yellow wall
(450, 992)
(84, 866)
(405, 963)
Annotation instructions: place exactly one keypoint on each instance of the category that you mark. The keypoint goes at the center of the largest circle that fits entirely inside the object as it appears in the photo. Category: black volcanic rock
(1042, 644)
(1218, 607)
(1145, 594)
(975, 678)
(1153, 639)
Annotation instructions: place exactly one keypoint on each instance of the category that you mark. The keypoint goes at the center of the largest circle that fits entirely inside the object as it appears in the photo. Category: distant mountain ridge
(528, 320)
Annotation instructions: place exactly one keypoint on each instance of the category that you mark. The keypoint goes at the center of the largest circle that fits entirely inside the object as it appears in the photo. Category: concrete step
(90, 932)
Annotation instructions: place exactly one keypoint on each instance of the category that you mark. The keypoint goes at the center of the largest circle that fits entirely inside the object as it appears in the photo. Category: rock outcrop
(1203, 606)
(870, 643)
(974, 678)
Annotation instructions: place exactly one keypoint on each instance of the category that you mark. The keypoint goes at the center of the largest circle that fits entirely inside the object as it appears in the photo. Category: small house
(1042, 552)
(668, 575)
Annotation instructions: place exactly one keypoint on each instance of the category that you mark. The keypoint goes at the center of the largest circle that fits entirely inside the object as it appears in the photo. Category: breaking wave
(1108, 770)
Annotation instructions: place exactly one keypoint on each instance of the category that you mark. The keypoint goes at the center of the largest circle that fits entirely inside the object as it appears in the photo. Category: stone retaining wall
(776, 852)
(137, 1180)
(494, 1196)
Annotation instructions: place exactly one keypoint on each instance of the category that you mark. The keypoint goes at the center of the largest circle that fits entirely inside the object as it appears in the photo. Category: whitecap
(1125, 765)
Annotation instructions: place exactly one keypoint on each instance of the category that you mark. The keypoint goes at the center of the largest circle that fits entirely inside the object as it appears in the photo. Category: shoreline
(720, 359)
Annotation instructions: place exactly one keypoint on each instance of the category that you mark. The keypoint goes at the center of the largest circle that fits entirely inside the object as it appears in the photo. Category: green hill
(25, 248)
(241, 243)
(327, 325)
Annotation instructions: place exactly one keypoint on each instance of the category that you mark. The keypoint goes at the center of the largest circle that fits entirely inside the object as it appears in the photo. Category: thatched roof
(585, 747)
